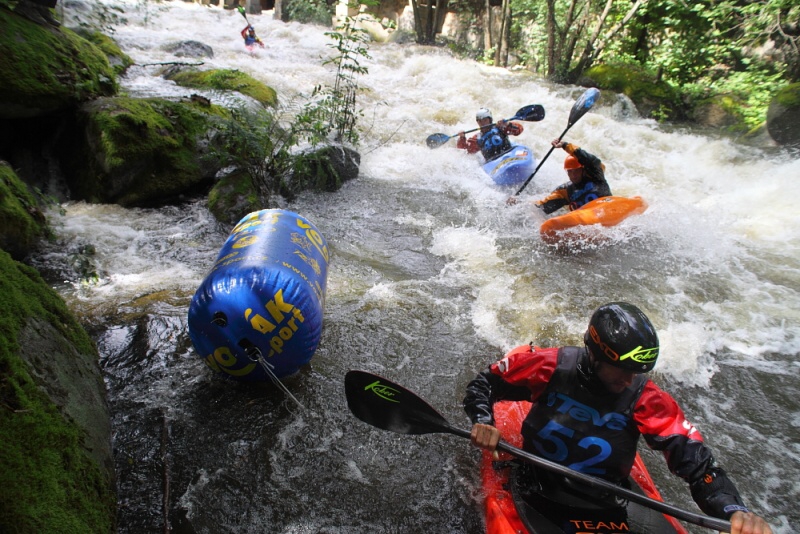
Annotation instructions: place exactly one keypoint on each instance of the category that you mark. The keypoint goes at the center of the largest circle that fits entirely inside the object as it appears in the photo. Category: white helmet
(483, 113)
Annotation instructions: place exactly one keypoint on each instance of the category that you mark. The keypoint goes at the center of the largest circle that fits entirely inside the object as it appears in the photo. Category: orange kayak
(501, 513)
(606, 211)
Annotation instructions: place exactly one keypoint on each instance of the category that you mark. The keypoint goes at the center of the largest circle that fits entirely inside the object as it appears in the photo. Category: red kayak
(501, 510)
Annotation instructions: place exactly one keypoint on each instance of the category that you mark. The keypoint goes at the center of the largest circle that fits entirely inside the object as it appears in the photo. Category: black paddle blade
(436, 140)
(583, 104)
(389, 406)
(532, 113)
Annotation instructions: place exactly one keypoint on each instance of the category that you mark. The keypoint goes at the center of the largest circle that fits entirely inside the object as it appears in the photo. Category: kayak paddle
(579, 109)
(389, 406)
(244, 14)
(532, 113)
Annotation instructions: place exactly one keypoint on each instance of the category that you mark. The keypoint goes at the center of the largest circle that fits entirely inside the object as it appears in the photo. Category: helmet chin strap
(587, 366)
(587, 371)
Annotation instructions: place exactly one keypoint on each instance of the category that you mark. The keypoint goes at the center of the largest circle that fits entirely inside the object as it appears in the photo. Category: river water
(431, 278)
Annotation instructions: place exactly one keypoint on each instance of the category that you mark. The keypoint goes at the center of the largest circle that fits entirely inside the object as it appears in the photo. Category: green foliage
(753, 91)
(307, 11)
(721, 46)
(263, 143)
(257, 142)
(335, 110)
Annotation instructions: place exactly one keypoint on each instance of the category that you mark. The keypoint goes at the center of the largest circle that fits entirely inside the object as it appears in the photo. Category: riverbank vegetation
(732, 55)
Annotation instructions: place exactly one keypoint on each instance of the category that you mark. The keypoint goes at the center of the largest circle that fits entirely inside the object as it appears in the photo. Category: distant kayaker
(492, 140)
(587, 181)
(590, 406)
(250, 38)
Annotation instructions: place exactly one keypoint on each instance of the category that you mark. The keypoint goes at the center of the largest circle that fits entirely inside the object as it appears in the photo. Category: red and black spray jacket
(576, 424)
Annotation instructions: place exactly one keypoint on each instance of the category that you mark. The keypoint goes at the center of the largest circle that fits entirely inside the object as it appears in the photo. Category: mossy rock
(783, 116)
(325, 169)
(142, 152)
(653, 98)
(119, 60)
(47, 69)
(54, 475)
(22, 223)
(225, 80)
(722, 111)
(233, 197)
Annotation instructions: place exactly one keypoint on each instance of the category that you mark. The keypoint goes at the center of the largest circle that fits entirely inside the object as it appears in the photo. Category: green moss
(119, 60)
(233, 197)
(226, 80)
(21, 221)
(49, 484)
(639, 85)
(49, 67)
(151, 141)
(789, 96)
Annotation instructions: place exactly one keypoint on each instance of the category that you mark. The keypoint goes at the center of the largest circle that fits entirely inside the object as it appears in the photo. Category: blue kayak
(513, 167)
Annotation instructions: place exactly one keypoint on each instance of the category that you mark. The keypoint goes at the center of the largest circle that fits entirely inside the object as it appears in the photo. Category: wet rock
(783, 116)
(190, 49)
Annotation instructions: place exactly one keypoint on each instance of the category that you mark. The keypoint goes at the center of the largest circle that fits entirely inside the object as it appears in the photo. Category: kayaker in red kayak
(492, 140)
(587, 181)
(591, 404)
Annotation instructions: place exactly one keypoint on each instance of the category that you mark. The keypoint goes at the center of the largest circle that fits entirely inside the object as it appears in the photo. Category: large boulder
(652, 97)
(224, 80)
(783, 116)
(141, 152)
(56, 467)
(44, 69)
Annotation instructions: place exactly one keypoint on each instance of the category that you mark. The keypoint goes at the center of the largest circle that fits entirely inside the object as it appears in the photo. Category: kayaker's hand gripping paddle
(579, 109)
(532, 113)
(389, 406)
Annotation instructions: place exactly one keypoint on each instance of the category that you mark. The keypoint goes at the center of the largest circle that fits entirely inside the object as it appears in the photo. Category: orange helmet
(571, 162)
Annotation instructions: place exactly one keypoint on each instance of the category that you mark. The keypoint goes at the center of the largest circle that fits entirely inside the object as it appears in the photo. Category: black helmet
(620, 334)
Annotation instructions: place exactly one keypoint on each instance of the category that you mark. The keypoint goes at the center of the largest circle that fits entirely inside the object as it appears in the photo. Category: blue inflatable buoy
(259, 310)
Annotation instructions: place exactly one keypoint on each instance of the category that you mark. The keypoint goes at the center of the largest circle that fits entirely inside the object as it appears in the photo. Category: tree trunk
(488, 41)
(417, 22)
(441, 12)
(501, 52)
(594, 46)
(430, 30)
(551, 37)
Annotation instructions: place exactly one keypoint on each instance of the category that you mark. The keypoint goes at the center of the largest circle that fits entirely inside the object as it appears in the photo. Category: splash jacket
(250, 40)
(492, 143)
(592, 186)
(577, 423)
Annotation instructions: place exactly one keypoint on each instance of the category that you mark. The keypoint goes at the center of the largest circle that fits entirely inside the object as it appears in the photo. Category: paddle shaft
(531, 113)
(579, 109)
(659, 506)
(515, 118)
(389, 406)
(244, 14)
(543, 160)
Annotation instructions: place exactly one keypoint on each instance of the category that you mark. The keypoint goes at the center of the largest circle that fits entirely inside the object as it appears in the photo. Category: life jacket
(579, 197)
(590, 433)
(493, 143)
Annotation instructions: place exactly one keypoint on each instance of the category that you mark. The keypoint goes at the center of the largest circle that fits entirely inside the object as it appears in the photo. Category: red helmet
(571, 162)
